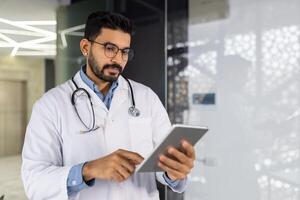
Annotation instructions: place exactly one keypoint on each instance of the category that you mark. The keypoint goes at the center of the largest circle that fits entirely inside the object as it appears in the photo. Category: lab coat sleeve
(160, 126)
(43, 173)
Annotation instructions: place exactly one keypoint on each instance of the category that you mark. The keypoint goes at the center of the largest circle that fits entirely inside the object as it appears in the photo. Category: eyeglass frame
(116, 53)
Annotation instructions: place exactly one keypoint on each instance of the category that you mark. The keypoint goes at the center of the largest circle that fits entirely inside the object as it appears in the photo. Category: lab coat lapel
(95, 99)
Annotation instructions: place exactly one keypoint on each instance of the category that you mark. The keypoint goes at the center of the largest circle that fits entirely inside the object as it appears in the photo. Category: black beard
(100, 73)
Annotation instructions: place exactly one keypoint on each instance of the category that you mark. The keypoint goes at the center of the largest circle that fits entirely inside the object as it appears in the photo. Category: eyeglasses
(111, 50)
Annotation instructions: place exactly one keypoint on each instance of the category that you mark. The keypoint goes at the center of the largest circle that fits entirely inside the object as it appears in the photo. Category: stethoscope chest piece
(133, 111)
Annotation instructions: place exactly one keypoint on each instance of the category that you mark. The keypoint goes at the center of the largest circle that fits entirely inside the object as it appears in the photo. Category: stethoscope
(132, 110)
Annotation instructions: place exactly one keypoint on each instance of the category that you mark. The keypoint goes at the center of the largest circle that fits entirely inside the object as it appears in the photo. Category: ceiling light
(26, 47)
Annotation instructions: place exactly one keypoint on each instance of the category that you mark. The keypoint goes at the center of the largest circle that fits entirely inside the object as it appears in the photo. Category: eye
(111, 48)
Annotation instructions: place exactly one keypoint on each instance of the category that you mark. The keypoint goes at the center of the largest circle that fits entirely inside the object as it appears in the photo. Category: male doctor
(83, 142)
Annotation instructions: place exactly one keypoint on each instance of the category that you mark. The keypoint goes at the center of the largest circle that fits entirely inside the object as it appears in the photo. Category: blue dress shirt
(105, 99)
(75, 181)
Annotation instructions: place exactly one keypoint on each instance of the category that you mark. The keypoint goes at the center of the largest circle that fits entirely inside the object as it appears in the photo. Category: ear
(84, 47)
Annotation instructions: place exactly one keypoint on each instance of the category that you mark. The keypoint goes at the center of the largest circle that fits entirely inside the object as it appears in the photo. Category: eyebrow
(116, 45)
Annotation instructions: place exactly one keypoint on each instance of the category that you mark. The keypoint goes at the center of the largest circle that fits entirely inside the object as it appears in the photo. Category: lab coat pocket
(141, 135)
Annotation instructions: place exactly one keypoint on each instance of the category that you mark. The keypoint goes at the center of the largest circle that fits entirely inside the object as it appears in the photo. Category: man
(83, 141)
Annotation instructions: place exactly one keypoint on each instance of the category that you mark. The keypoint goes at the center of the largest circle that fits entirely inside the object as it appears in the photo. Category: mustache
(117, 66)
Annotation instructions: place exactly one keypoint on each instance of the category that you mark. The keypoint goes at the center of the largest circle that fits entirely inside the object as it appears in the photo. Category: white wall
(30, 70)
(251, 60)
(16, 74)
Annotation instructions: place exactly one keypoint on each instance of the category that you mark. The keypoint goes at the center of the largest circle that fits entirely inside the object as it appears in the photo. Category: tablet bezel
(176, 134)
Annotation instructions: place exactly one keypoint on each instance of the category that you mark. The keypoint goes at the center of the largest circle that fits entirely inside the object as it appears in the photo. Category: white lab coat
(53, 142)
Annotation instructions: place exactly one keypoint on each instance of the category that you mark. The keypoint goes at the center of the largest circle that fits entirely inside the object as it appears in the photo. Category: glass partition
(234, 66)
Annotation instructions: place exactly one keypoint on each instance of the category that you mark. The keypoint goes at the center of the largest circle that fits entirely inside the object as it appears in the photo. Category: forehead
(117, 37)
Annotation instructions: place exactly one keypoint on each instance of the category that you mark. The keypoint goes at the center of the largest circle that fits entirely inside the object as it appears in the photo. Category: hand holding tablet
(175, 137)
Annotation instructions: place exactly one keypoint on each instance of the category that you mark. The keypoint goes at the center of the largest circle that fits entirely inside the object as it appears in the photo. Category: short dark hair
(100, 19)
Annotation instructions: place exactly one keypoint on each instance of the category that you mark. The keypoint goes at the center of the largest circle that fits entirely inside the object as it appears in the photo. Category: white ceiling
(28, 27)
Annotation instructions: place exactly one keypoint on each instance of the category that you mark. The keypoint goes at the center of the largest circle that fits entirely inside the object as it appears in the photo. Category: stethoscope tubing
(91, 103)
(132, 110)
(131, 92)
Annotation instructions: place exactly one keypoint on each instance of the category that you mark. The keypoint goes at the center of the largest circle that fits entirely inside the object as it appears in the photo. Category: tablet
(177, 133)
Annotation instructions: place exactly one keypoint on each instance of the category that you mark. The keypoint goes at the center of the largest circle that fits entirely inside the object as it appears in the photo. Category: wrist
(170, 178)
(87, 172)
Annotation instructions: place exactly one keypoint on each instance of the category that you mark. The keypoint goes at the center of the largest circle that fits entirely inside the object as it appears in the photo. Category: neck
(103, 86)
